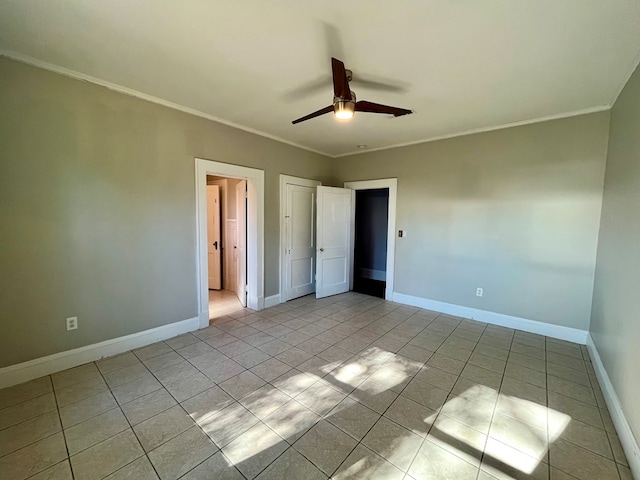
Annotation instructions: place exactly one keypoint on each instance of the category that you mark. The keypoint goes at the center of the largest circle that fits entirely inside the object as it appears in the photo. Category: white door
(241, 243)
(333, 240)
(213, 237)
(301, 248)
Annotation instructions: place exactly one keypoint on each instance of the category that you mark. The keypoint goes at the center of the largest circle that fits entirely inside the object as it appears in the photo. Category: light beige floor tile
(182, 341)
(487, 362)
(582, 463)
(95, 430)
(271, 369)
(448, 364)
(475, 415)
(264, 401)
(26, 433)
(225, 425)
(364, 464)
(436, 377)
(215, 467)
(571, 389)
(320, 397)
(25, 391)
(75, 375)
(112, 364)
(425, 394)
(411, 415)
(28, 409)
(433, 462)
(475, 392)
(393, 442)
(126, 374)
(86, 408)
(505, 462)
(575, 409)
(353, 418)
(256, 448)
(527, 361)
(182, 453)
(588, 437)
(105, 458)
(150, 351)
(130, 391)
(532, 414)
(251, 358)
(616, 447)
(175, 372)
(162, 427)
(223, 370)
(523, 437)
(140, 469)
(291, 465)
(34, 458)
(61, 471)
(525, 374)
(242, 384)
(292, 420)
(207, 403)
(325, 446)
(577, 376)
(78, 391)
(190, 386)
(163, 361)
(145, 407)
(524, 391)
(482, 376)
(458, 438)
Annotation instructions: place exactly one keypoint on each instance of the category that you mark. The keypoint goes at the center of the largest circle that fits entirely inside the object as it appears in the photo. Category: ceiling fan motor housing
(343, 108)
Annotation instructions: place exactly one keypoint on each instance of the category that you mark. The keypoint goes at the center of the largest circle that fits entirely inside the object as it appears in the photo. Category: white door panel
(333, 240)
(213, 237)
(301, 250)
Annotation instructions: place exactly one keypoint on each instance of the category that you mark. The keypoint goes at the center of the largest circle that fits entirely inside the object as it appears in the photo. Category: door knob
(322, 249)
(215, 245)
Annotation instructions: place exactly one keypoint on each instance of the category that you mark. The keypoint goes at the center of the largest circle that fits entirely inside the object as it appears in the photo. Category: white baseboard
(627, 439)
(23, 372)
(532, 326)
(272, 301)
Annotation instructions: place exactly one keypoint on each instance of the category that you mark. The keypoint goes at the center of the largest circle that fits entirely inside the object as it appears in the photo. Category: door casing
(255, 232)
(392, 185)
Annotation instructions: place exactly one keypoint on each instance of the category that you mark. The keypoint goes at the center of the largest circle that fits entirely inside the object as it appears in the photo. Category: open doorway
(226, 239)
(370, 242)
(250, 227)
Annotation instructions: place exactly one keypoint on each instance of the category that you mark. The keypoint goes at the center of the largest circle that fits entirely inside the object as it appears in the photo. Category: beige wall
(615, 320)
(514, 211)
(97, 202)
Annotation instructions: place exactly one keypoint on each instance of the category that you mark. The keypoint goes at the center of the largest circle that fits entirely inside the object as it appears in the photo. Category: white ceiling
(461, 65)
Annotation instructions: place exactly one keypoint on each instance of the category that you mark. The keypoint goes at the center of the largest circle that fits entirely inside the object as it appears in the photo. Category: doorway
(370, 242)
(390, 186)
(252, 259)
(226, 239)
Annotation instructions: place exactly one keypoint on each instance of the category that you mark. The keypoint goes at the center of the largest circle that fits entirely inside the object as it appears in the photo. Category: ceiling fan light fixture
(344, 109)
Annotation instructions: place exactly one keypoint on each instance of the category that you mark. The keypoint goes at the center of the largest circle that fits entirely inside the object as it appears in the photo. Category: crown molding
(149, 98)
(192, 111)
(520, 123)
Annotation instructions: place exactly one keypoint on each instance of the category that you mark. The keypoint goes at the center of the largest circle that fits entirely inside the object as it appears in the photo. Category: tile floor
(223, 302)
(347, 387)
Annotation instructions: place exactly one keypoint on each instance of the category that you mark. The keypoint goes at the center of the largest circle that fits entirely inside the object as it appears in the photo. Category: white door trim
(284, 181)
(392, 185)
(255, 232)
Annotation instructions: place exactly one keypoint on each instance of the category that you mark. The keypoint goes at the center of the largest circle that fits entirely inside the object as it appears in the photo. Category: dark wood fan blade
(370, 107)
(314, 114)
(340, 82)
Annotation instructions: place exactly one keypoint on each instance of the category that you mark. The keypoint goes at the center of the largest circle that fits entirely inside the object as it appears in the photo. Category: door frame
(255, 232)
(284, 181)
(392, 185)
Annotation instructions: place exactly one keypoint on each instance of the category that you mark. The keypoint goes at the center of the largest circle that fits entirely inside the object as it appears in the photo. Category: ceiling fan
(344, 100)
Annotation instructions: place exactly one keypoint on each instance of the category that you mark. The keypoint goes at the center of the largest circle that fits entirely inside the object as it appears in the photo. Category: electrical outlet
(72, 323)
(479, 292)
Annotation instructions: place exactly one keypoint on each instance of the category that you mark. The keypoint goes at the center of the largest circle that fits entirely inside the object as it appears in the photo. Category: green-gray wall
(515, 211)
(97, 202)
(615, 320)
